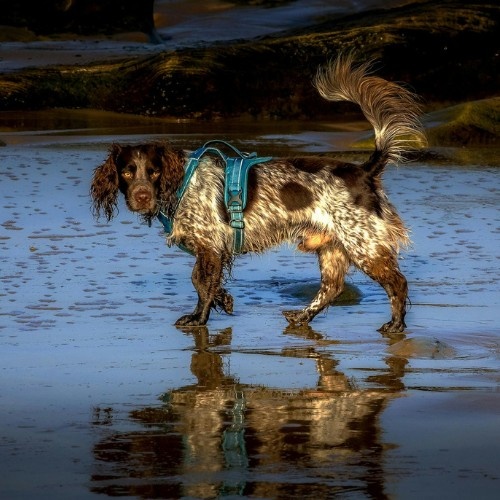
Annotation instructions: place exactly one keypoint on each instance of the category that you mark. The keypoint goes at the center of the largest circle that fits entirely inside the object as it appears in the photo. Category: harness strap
(235, 187)
(235, 194)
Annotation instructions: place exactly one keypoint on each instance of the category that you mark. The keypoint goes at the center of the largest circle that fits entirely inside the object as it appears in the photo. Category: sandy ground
(101, 394)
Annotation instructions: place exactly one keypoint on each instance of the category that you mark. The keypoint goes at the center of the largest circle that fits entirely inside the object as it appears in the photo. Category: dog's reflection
(220, 436)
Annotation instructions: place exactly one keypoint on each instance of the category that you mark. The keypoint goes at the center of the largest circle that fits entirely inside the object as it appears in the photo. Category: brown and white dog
(337, 210)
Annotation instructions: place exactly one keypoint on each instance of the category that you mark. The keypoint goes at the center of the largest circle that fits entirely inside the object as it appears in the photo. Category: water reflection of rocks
(222, 437)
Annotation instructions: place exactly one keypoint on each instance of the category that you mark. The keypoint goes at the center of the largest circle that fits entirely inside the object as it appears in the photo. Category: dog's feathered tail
(391, 109)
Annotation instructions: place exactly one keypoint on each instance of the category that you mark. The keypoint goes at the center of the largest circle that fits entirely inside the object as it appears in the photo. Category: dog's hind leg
(333, 263)
(385, 271)
(207, 278)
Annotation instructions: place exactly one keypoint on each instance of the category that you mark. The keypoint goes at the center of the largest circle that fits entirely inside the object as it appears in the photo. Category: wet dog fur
(335, 209)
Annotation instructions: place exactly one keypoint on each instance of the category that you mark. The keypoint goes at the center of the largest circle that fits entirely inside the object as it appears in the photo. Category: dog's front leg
(206, 278)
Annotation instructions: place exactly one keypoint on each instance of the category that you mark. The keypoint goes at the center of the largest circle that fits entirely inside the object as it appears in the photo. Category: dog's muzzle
(142, 199)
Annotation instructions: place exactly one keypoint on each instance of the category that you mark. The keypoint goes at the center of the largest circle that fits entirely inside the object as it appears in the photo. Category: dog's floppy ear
(104, 187)
(172, 173)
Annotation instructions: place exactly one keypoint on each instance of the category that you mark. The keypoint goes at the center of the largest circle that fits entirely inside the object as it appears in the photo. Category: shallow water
(101, 394)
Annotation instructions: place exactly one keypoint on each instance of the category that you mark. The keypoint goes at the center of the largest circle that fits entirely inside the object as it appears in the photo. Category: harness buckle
(235, 199)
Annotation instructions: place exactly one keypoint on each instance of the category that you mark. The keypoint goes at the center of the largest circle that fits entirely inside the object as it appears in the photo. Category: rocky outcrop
(474, 122)
(80, 16)
(447, 51)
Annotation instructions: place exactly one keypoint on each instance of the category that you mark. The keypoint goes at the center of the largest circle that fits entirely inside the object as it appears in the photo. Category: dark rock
(447, 51)
(83, 17)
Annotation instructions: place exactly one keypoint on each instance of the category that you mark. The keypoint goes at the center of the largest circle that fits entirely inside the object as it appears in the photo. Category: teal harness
(235, 187)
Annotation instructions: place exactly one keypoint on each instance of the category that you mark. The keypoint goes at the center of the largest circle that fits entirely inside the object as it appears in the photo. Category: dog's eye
(127, 174)
(155, 174)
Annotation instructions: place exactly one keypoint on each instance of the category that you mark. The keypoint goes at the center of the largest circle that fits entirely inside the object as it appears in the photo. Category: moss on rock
(476, 122)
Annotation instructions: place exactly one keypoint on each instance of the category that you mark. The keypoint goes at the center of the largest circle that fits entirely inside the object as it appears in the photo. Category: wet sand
(101, 394)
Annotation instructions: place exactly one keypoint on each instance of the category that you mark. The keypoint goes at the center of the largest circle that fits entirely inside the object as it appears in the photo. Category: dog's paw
(297, 318)
(191, 320)
(392, 327)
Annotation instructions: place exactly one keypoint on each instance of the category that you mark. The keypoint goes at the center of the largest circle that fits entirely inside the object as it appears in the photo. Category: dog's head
(148, 175)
